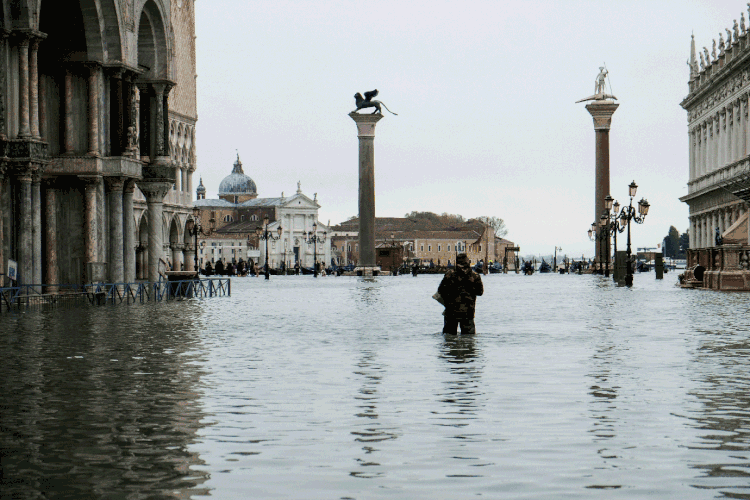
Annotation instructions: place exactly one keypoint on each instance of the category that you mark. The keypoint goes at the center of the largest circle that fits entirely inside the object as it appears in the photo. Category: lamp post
(194, 228)
(312, 237)
(628, 214)
(597, 233)
(264, 234)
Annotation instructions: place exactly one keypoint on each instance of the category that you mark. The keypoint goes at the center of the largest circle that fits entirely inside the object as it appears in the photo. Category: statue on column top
(736, 29)
(729, 38)
(368, 102)
(299, 187)
(721, 44)
(703, 64)
(600, 87)
(708, 59)
(713, 51)
(742, 23)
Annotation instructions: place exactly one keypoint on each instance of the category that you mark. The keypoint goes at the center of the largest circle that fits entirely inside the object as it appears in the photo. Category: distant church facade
(97, 138)
(233, 219)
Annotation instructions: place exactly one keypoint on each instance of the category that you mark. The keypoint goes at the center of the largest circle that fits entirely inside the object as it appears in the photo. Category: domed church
(237, 187)
(232, 220)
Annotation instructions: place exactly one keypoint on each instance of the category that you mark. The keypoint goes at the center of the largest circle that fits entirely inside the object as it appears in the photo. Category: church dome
(237, 183)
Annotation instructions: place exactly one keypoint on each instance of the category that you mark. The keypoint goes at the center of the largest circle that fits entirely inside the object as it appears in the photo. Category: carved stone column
(91, 226)
(23, 74)
(3, 208)
(36, 232)
(25, 240)
(159, 124)
(708, 130)
(736, 129)
(52, 270)
(93, 111)
(366, 135)
(34, 88)
(128, 231)
(154, 193)
(188, 257)
(691, 160)
(116, 230)
(68, 110)
(601, 111)
(3, 88)
(691, 232)
(177, 256)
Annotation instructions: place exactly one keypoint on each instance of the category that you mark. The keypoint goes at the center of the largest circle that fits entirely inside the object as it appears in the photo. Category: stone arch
(54, 18)
(152, 42)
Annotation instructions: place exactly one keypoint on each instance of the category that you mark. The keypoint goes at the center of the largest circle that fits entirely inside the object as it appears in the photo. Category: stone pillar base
(96, 272)
(367, 271)
(736, 280)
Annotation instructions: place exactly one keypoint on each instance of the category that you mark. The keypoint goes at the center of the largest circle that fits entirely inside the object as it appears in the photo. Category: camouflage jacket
(459, 290)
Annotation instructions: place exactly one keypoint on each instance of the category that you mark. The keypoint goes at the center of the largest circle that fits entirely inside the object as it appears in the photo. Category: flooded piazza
(339, 388)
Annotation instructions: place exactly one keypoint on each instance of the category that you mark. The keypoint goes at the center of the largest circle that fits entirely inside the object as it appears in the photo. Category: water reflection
(94, 405)
(722, 419)
(371, 431)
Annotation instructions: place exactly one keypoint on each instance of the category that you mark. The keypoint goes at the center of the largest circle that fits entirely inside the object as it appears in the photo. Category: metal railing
(113, 293)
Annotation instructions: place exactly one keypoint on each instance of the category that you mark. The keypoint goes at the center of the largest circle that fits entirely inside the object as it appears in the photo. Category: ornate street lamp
(312, 237)
(626, 215)
(265, 234)
(194, 228)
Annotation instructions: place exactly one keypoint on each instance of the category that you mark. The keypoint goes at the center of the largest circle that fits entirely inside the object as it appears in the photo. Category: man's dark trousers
(450, 325)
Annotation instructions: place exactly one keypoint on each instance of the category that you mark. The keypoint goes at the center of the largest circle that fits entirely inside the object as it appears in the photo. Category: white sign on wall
(12, 269)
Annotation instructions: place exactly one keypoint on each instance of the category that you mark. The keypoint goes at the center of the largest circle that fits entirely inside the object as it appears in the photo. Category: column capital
(91, 181)
(177, 246)
(115, 183)
(154, 191)
(602, 113)
(25, 36)
(365, 123)
(129, 186)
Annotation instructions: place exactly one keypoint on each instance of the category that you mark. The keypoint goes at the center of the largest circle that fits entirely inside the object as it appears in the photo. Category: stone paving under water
(336, 387)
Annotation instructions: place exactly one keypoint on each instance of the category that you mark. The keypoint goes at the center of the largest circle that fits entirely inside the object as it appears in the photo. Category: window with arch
(253, 217)
(228, 218)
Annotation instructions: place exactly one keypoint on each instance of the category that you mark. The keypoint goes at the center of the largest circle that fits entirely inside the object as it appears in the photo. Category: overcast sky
(485, 94)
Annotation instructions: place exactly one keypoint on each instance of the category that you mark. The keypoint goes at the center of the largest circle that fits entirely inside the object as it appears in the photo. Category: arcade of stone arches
(95, 167)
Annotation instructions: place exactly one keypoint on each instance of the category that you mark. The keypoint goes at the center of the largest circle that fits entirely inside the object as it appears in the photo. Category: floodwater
(339, 388)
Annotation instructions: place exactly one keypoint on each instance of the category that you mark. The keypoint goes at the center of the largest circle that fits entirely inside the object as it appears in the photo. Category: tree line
(676, 244)
(456, 220)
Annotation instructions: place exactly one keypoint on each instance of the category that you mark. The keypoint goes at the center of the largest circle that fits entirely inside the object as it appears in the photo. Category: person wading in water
(459, 290)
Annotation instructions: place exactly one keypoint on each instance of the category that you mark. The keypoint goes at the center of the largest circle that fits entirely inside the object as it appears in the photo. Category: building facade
(422, 241)
(232, 220)
(719, 166)
(97, 138)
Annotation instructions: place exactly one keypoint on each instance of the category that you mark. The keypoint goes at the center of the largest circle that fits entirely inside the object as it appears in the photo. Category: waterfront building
(97, 138)
(232, 220)
(719, 165)
(421, 240)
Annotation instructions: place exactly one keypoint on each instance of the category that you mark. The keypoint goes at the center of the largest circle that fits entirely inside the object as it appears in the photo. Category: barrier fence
(112, 293)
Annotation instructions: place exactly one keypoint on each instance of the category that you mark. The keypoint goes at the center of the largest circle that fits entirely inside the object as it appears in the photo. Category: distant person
(459, 290)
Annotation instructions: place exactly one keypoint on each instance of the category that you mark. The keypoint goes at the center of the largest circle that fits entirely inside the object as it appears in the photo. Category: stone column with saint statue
(601, 109)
